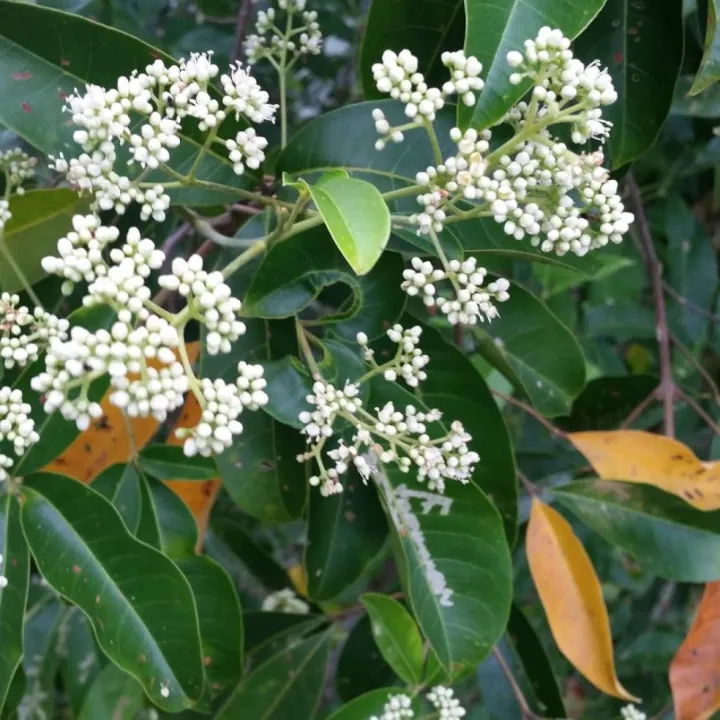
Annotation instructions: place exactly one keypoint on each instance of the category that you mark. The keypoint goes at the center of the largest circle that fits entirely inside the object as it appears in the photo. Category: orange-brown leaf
(641, 457)
(570, 593)
(695, 669)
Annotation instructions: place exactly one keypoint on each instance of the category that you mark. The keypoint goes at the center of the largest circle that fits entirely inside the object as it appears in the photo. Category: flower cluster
(24, 333)
(395, 435)
(165, 96)
(399, 707)
(285, 601)
(630, 712)
(17, 429)
(3, 579)
(284, 47)
(471, 301)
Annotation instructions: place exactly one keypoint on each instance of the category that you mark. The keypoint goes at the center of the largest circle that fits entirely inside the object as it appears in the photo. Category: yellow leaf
(297, 574)
(695, 669)
(641, 457)
(570, 593)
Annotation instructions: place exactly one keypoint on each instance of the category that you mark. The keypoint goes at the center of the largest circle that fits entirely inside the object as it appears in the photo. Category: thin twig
(698, 366)
(531, 488)
(691, 402)
(554, 429)
(527, 713)
(666, 388)
(675, 295)
(638, 410)
(240, 29)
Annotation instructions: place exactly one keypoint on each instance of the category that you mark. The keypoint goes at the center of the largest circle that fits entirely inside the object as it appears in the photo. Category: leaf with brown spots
(695, 669)
(640, 457)
(571, 595)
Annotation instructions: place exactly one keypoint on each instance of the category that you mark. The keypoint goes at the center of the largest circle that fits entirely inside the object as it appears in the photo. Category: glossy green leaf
(221, 622)
(82, 660)
(535, 351)
(169, 462)
(709, 72)
(704, 105)
(41, 659)
(15, 568)
(397, 636)
(455, 387)
(39, 219)
(448, 547)
(665, 535)
(286, 687)
(361, 667)
(496, 28)
(296, 271)
(120, 484)
(356, 217)
(522, 652)
(346, 138)
(110, 575)
(38, 70)
(114, 694)
(425, 27)
(345, 532)
(641, 44)
(556, 280)
(176, 525)
(14, 696)
(149, 524)
(369, 705)
(269, 633)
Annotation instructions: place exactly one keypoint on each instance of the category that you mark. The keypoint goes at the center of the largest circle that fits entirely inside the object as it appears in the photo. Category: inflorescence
(399, 707)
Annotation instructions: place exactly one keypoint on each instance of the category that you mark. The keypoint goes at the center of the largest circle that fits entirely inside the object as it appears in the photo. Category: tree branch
(675, 295)
(527, 713)
(554, 429)
(240, 29)
(666, 389)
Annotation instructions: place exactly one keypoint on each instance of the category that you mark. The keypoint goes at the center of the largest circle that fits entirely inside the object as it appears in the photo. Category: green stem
(402, 192)
(282, 77)
(201, 154)
(306, 350)
(437, 152)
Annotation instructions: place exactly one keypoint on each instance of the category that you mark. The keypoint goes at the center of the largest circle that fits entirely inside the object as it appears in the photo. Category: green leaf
(705, 105)
(296, 271)
(39, 219)
(425, 27)
(361, 667)
(41, 659)
(556, 280)
(345, 532)
(666, 536)
(449, 546)
(82, 661)
(176, 525)
(709, 71)
(221, 622)
(522, 652)
(114, 694)
(120, 485)
(346, 138)
(606, 402)
(14, 695)
(457, 389)
(110, 575)
(397, 636)
(15, 568)
(149, 525)
(269, 633)
(641, 44)
(370, 705)
(535, 352)
(286, 687)
(496, 28)
(357, 218)
(169, 462)
(38, 69)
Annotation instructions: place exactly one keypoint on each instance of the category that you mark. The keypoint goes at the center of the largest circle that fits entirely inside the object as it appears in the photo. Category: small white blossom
(244, 96)
(397, 707)
(285, 601)
(471, 302)
(246, 149)
(5, 464)
(464, 76)
(448, 706)
(18, 167)
(17, 428)
(630, 712)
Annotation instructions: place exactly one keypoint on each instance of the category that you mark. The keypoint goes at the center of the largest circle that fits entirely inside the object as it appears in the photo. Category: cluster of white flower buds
(221, 404)
(409, 360)
(630, 712)
(285, 601)
(399, 707)
(397, 75)
(284, 47)
(17, 166)
(471, 302)
(247, 149)
(399, 436)
(164, 95)
(210, 300)
(17, 429)
(24, 333)
(3, 579)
